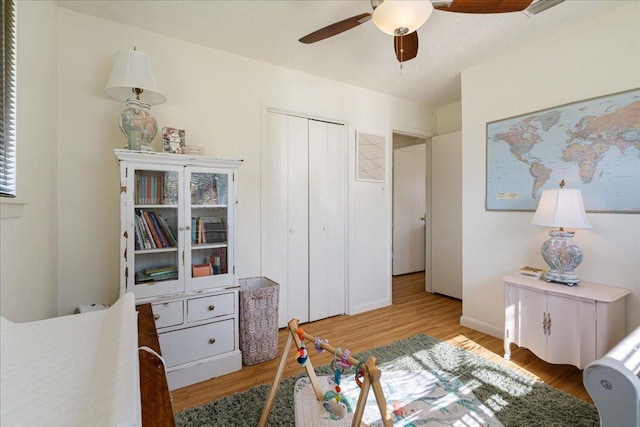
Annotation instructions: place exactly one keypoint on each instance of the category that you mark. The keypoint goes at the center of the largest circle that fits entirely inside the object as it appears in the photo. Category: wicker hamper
(258, 319)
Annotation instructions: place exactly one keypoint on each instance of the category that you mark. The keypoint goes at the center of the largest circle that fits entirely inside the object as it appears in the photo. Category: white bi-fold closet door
(304, 215)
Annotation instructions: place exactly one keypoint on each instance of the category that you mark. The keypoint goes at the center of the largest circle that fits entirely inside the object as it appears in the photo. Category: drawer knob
(156, 316)
(212, 307)
(212, 340)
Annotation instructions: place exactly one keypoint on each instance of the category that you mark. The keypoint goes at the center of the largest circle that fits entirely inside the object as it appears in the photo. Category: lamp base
(138, 125)
(569, 279)
(562, 255)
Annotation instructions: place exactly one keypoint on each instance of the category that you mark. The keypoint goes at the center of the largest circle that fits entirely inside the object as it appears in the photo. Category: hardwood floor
(413, 311)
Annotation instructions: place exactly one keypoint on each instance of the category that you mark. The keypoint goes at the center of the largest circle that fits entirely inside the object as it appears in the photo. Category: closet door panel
(336, 218)
(274, 205)
(318, 222)
(298, 217)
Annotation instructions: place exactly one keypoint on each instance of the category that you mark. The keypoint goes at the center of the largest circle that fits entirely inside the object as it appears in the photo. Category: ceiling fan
(402, 18)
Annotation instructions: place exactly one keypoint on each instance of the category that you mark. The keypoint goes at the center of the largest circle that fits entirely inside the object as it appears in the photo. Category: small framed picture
(371, 157)
(194, 150)
(173, 140)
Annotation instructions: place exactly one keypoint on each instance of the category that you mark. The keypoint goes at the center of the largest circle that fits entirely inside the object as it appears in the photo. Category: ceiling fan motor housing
(401, 17)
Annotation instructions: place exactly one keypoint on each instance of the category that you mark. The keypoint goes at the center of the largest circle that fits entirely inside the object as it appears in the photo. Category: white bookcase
(177, 246)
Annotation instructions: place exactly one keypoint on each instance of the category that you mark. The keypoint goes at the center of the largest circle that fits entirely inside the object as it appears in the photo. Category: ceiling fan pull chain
(401, 55)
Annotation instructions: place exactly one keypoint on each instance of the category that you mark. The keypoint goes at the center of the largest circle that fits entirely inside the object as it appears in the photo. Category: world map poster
(594, 145)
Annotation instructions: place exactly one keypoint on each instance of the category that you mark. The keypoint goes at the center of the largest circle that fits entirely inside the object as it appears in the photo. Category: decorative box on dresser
(563, 324)
(178, 227)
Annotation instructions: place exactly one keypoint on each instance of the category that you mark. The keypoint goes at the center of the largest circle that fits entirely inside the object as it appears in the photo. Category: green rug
(515, 399)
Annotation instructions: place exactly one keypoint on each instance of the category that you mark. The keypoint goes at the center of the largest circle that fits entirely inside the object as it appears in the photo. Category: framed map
(370, 157)
(594, 145)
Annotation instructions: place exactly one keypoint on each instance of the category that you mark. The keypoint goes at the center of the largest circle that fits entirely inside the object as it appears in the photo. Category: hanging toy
(317, 345)
(344, 360)
(336, 408)
(359, 375)
(303, 354)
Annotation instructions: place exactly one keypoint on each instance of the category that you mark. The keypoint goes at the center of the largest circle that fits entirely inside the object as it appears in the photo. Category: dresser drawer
(209, 307)
(168, 314)
(198, 342)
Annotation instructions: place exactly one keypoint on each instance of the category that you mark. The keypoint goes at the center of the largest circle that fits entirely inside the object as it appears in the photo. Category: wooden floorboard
(413, 311)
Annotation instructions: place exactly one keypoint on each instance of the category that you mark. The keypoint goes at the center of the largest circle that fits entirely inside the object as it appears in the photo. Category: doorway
(410, 230)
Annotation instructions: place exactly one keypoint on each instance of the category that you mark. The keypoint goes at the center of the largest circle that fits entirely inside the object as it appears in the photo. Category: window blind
(8, 94)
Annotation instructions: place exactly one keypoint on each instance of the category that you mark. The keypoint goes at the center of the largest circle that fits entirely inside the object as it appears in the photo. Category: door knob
(424, 218)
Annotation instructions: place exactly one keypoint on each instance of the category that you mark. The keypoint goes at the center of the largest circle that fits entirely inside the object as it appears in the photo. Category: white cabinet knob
(324, 228)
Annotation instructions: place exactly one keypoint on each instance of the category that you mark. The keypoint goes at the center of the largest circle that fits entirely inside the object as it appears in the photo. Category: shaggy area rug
(515, 399)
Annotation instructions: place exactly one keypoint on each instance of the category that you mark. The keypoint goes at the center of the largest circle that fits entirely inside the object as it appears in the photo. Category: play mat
(413, 397)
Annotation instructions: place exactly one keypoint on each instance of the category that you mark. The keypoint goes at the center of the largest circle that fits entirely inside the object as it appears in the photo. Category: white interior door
(409, 171)
(327, 202)
(446, 214)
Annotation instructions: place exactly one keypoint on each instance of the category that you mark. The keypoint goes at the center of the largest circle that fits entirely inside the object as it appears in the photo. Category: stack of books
(157, 274)
(533, 272)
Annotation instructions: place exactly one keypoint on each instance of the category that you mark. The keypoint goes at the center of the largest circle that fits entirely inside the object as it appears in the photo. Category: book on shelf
(219, 259)
(152, 230)
(164, 225)
(533, 272)
(156, 225)
(144, 232)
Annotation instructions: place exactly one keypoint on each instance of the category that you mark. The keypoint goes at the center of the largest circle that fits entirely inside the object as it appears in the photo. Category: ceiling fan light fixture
(400, 17)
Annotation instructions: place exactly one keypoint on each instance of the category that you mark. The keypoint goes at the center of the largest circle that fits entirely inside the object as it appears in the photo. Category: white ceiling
(363, 56)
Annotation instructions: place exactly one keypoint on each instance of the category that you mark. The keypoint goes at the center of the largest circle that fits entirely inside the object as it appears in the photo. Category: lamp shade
(132, 69)
(561, 208)
(400, 17)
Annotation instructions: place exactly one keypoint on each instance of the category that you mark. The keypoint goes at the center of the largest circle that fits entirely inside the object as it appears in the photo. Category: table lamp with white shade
(132, 82)
(561, 207)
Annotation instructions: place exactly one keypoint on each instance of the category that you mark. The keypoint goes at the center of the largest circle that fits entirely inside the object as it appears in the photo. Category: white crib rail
(613, 382)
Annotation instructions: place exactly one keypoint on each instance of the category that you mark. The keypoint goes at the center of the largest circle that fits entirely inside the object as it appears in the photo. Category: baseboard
(357, 309)
(483, 327)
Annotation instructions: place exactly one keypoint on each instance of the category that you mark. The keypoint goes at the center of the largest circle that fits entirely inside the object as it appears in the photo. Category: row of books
(208, 229)
(153, 231)
(149, 188)
(157, 274)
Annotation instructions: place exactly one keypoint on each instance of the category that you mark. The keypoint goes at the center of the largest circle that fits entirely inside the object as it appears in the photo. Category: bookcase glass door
(209, 248)
(155, 227)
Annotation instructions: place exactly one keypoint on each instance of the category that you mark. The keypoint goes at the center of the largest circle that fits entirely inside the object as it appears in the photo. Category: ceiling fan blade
(482, 6)
(406, 47)
(336, 28)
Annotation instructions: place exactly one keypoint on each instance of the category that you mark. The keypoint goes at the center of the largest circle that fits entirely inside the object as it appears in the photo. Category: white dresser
(563, 324)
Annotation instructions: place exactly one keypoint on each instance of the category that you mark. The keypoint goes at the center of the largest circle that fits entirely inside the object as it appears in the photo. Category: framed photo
(371, 155)
(173, 140)
(593, 145)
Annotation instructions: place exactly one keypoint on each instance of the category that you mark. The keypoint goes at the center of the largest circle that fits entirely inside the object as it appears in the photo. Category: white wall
(218, 98)
(449, 118)
(597, 57)
(28, 244)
